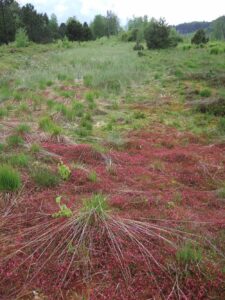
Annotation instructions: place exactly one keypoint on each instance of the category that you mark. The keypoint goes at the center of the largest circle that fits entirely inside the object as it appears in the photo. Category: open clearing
(97, 122)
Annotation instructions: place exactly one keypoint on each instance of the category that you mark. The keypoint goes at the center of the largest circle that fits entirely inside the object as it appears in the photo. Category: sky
(174, 11)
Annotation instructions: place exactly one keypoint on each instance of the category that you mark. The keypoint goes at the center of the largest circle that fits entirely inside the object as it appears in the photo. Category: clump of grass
(221, 125)
(221, 192)
(15, 141)
(88, 80)
(189, 253)
(115, 139)
(19, 160)
(23, 107)
(3, 113)
(50, 103)
(44, 177)
(216, 50)
(2, 147)
(92, 176)
(66, 93)
(89, 96)
(9, 179)
(205, 92)
(23, 128)
(78, 107)
(97, 204)
(139, 115)
(47, 124)
(35, 148)
(61, 77)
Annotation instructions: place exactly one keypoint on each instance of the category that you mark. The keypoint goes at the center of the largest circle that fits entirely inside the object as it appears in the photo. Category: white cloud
(175, 11)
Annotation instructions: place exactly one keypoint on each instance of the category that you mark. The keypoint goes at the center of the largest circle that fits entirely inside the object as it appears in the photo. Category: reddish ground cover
(158, 175)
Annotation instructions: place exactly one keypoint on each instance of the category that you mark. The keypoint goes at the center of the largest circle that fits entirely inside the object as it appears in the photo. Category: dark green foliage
(9, 179)
(74, 30)
(43, 176)
(157, 35)
(36, 24)
(86, 32)
(199, 37)
(9, 14)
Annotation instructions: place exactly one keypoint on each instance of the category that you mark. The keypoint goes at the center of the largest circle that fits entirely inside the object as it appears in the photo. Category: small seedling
(64, 211)
(64, 171)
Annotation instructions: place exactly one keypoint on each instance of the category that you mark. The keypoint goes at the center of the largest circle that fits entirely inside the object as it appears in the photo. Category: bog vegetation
(112, 175)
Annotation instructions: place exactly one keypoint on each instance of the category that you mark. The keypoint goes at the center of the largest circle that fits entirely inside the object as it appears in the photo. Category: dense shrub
(199, 37)
(159, 35)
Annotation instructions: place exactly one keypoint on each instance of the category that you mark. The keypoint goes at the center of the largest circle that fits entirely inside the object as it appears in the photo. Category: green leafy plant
(64, 211)
(9, 179)
(64, 171)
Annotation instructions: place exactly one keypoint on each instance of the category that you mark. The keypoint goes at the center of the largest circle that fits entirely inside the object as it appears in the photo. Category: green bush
(43, 176)
(199, 37)
(157, 34)
(21, 38)
(9, 179)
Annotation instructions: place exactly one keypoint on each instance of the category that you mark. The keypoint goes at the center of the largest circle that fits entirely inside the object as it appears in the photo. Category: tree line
(42, 29)
(39, 28)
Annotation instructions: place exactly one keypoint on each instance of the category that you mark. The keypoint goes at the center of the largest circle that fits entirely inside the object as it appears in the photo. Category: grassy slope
(152, 158)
